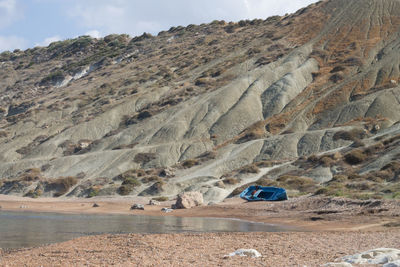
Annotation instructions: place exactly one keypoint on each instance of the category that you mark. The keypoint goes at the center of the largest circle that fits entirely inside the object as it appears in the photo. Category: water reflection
(21, 229)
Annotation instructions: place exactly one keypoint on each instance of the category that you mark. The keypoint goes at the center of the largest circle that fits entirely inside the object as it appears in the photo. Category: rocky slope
(309, 101)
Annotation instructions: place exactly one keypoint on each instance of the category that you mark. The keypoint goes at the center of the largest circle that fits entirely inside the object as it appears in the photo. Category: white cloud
(49, 40)
(94, 33)
(9, 12)
(136, 16)
(12, 42)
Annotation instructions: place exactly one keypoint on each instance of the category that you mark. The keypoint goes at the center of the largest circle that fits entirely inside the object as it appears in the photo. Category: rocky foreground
(277, 249)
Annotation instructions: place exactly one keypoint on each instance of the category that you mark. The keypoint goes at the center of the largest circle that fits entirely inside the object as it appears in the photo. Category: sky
(29, 23)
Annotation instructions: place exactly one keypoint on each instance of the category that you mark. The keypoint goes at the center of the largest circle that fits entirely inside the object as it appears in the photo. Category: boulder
(188, 200)
(137, 207)
(374, 256)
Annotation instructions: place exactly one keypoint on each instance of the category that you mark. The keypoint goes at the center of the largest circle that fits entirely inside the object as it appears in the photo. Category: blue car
(264, 193)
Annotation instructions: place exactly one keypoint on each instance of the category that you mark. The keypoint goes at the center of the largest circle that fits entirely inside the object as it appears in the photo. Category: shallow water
(25, 229)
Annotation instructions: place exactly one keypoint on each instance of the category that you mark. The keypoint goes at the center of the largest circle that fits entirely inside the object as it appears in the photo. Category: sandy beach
(329, 228)
(277, 249)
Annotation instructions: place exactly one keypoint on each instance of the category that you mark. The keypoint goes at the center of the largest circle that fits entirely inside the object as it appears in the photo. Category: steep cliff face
(309, 101)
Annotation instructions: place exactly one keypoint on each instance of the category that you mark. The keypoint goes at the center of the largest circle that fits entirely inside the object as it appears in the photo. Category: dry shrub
(207, 155)
(303, 184)
(202, 81)
(30, 175)
(353, 61)
(156, 189)
(231, 180)
(377, 177)
(131, 181)
(332, 189)
(374, 149)
(391, 140)
(130, 173)
(93, 191)
(252, 168)
(152, 178)
(393, 166)
(144, 158)
(264, 181)
(335, 78)
(253, 135)
(128, 185)
(357, 143)
(326, 161)
(337, 69)
(61, 185)
(239, 190)
(313, 159)
(160, 199)
(264, 164)
(34, 193)
(361, 186)
(124, 190)
(129, 146)
(339, 178)
(187, 164)
(3, 134)
(352, 135)
(355, 157)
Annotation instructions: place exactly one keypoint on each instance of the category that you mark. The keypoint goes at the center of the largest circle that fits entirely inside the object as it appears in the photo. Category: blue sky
(29, 23)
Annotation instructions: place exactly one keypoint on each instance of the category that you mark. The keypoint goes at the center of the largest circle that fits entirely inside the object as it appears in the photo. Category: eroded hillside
(309, 101)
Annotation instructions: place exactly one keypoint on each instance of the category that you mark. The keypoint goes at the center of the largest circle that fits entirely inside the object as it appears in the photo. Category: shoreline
(301, 213)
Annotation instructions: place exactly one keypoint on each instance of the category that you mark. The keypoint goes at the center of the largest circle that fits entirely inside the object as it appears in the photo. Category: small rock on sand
(95, 205)
(244, 252)
(153, 202)
(338, 264)
(137, 207)
(166, 210)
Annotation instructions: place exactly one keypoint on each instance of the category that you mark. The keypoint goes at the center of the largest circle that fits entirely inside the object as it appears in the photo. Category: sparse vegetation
(160, 199)
(53, 78)
(61, 185)
(144, 158)
(34, 193)
(231, 181)
(252, 168)
(127, 186)
(189, 163)
(352, 135)
(355, 157)
(93, 191)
